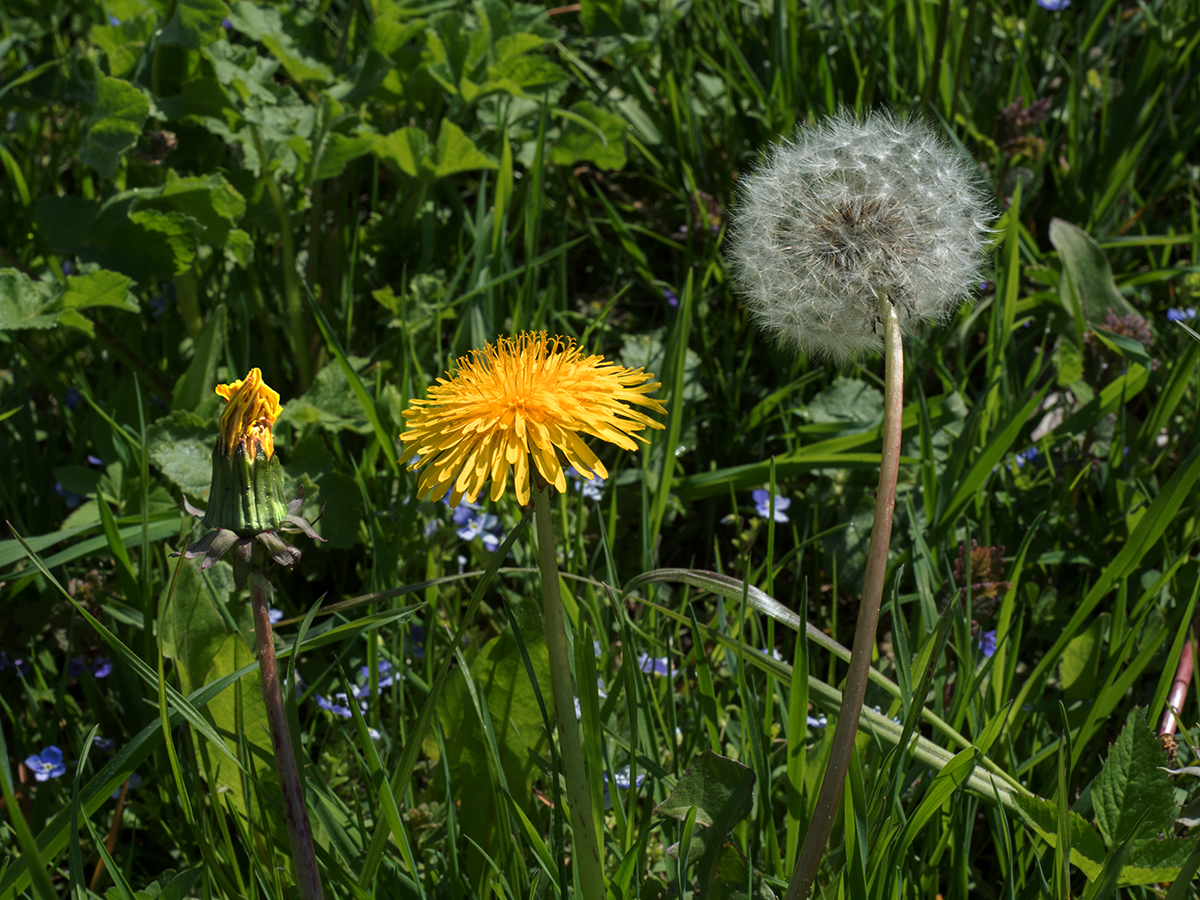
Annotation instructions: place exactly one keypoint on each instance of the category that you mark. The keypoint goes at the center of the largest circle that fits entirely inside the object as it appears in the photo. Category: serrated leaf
(599, 138)
(1130, 782)
(195, 24)
(181, 445)
(99, 288)
(457, 153)
(1152, 861)
(21, 305)
(119, 111)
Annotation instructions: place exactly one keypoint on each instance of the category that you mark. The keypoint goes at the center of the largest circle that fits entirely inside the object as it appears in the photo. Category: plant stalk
(1179, 687)
(868, 617)
(308, 879)
(585, 845)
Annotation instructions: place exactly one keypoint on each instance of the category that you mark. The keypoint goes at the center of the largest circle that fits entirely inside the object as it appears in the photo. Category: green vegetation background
(351, 194)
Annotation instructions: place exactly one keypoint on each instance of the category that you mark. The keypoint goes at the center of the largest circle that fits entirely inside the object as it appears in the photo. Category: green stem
(868, 616)
(308, 879)
(586, 847)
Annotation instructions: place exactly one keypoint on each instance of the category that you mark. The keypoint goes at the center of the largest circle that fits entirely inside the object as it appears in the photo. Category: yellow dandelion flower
(247, 418)
(532, 396)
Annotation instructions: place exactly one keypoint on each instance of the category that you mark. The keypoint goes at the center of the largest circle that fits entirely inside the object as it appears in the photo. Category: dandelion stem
(868, 616)
(585, 846)
(308, 880)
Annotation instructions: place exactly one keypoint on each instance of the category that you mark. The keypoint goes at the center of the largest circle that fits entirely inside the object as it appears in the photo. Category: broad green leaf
(195, 24)
(231, 655)
(339, 150)
(1087, 847)
(21, 305)
(1081, 660)
(266, 24)
(124, 42)
(210, 200)
(1089, 273)
(330, 402)
(181, 445)
(1151, 861)
(611, 17)
(849, 402)
(408, 150)
(98, 288)
(1130, 782)
(524, 76)
(193, 629)
(721, 790)
(500, 675)
(119, 111)
(457, 153)
(591, 134)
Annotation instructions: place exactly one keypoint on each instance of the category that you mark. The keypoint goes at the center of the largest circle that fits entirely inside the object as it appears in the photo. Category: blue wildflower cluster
(987, 643)
(474, 524)
(1026, 456)
(1181, 315)
(762, 505)
(361, 692)
(100, 666)
(591, 490)
(1054, 5)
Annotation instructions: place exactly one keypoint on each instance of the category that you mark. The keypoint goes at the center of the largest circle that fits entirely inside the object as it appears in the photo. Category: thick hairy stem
(586, 846)
(308, 880)
(868, 616)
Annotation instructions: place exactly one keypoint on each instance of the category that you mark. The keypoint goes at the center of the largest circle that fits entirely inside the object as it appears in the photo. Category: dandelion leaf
(499, 676)
(181, 446)
(1091, 291)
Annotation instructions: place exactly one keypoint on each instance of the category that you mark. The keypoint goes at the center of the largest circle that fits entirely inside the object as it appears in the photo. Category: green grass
(376, 188)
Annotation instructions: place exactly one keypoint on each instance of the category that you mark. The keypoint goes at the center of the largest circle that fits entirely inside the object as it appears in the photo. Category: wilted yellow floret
(247, 419)
(532, 396)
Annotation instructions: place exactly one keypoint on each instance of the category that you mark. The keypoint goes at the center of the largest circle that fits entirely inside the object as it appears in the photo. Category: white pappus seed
(847, 213)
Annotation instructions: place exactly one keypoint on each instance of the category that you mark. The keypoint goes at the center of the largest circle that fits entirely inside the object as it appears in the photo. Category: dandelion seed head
(847, 213)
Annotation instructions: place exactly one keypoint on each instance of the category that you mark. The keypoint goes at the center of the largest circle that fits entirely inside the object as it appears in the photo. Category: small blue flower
(73, 398)
(93, 460)
(672, 300)
(336, 709)
(591, 488)
(101, 667)
(104, 745)
(774, 654)
(1026, 456)
(76, 666)
(135, 781)
(275, 615)
(597, 649)
(484, 526)
(47, 764)
(657, 665)
(818, 723)
(226, 24)
(1181, 315)
(113, 20)
(1054, 5)
(621, 778)
(762, 504)
(386, 679)
(72, 499)
(987, 643)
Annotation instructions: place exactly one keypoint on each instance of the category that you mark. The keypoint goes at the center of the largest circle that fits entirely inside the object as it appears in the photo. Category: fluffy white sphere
(850, 212)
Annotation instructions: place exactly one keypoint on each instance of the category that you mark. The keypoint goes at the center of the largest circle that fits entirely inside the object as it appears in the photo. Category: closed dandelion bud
(848, 214)
(246, 510)
(247, 486)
